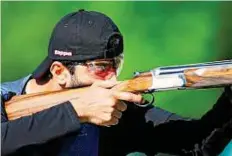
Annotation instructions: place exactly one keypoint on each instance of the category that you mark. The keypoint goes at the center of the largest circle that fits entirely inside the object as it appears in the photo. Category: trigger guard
(147, 104)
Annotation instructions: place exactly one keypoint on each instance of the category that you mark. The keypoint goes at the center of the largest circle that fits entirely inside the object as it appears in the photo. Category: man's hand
(101, 105)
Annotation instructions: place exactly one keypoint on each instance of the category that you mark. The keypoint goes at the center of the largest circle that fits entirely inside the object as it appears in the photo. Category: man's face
(91, 71)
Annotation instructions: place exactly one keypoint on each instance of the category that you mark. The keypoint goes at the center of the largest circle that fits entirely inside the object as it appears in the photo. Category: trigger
(147, 102)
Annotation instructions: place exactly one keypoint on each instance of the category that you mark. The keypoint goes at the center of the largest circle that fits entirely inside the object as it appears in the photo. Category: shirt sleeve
(215, 143)
(181, 136)
(38, 128)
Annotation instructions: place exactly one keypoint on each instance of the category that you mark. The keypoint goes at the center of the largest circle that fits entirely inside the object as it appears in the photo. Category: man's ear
(59, 72)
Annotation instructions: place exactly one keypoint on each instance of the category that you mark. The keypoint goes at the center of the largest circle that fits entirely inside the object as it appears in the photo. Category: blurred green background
(155, 33)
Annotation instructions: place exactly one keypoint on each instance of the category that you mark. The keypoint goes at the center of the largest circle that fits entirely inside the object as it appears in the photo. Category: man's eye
(101, 67)
(90, 65)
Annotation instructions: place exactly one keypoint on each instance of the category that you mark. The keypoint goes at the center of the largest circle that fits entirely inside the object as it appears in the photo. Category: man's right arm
(37, 128)
(98, 105)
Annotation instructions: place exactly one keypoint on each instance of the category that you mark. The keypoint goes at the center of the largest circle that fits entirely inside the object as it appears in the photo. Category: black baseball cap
(81, 36)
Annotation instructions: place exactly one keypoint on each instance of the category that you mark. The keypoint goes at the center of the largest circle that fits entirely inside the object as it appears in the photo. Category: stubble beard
(75, 82)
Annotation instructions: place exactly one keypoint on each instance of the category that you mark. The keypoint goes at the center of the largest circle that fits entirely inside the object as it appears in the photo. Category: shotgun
(180, 77)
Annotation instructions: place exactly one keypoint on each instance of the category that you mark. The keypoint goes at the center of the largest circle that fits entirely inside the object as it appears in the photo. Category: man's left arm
(173, 134)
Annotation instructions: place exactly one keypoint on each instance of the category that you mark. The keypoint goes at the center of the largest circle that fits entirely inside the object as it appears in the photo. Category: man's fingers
(127, 96)
(113, 121)
(105, 84)
(121, 106)
(117, 114)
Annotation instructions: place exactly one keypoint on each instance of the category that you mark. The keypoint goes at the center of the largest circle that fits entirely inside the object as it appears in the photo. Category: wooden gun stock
(24, 105)
(208, 77)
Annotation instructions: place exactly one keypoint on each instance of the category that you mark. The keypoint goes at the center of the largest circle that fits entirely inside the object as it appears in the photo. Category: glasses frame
(116, 63)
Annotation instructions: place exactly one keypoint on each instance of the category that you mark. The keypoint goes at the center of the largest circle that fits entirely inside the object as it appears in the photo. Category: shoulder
(14, 86)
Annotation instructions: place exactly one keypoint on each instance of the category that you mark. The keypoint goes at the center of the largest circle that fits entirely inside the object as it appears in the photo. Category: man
(85, 49)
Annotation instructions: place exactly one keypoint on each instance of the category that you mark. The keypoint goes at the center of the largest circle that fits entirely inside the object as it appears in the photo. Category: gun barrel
(181, 68)
(191, 76)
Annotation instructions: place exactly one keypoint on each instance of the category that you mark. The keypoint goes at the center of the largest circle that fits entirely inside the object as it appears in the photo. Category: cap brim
(42, 69)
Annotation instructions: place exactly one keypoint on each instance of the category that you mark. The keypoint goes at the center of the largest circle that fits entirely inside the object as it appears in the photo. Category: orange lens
(104, 67)
(101, 68)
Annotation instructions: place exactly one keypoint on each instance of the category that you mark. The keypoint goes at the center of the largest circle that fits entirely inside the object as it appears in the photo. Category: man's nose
(114, 77)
